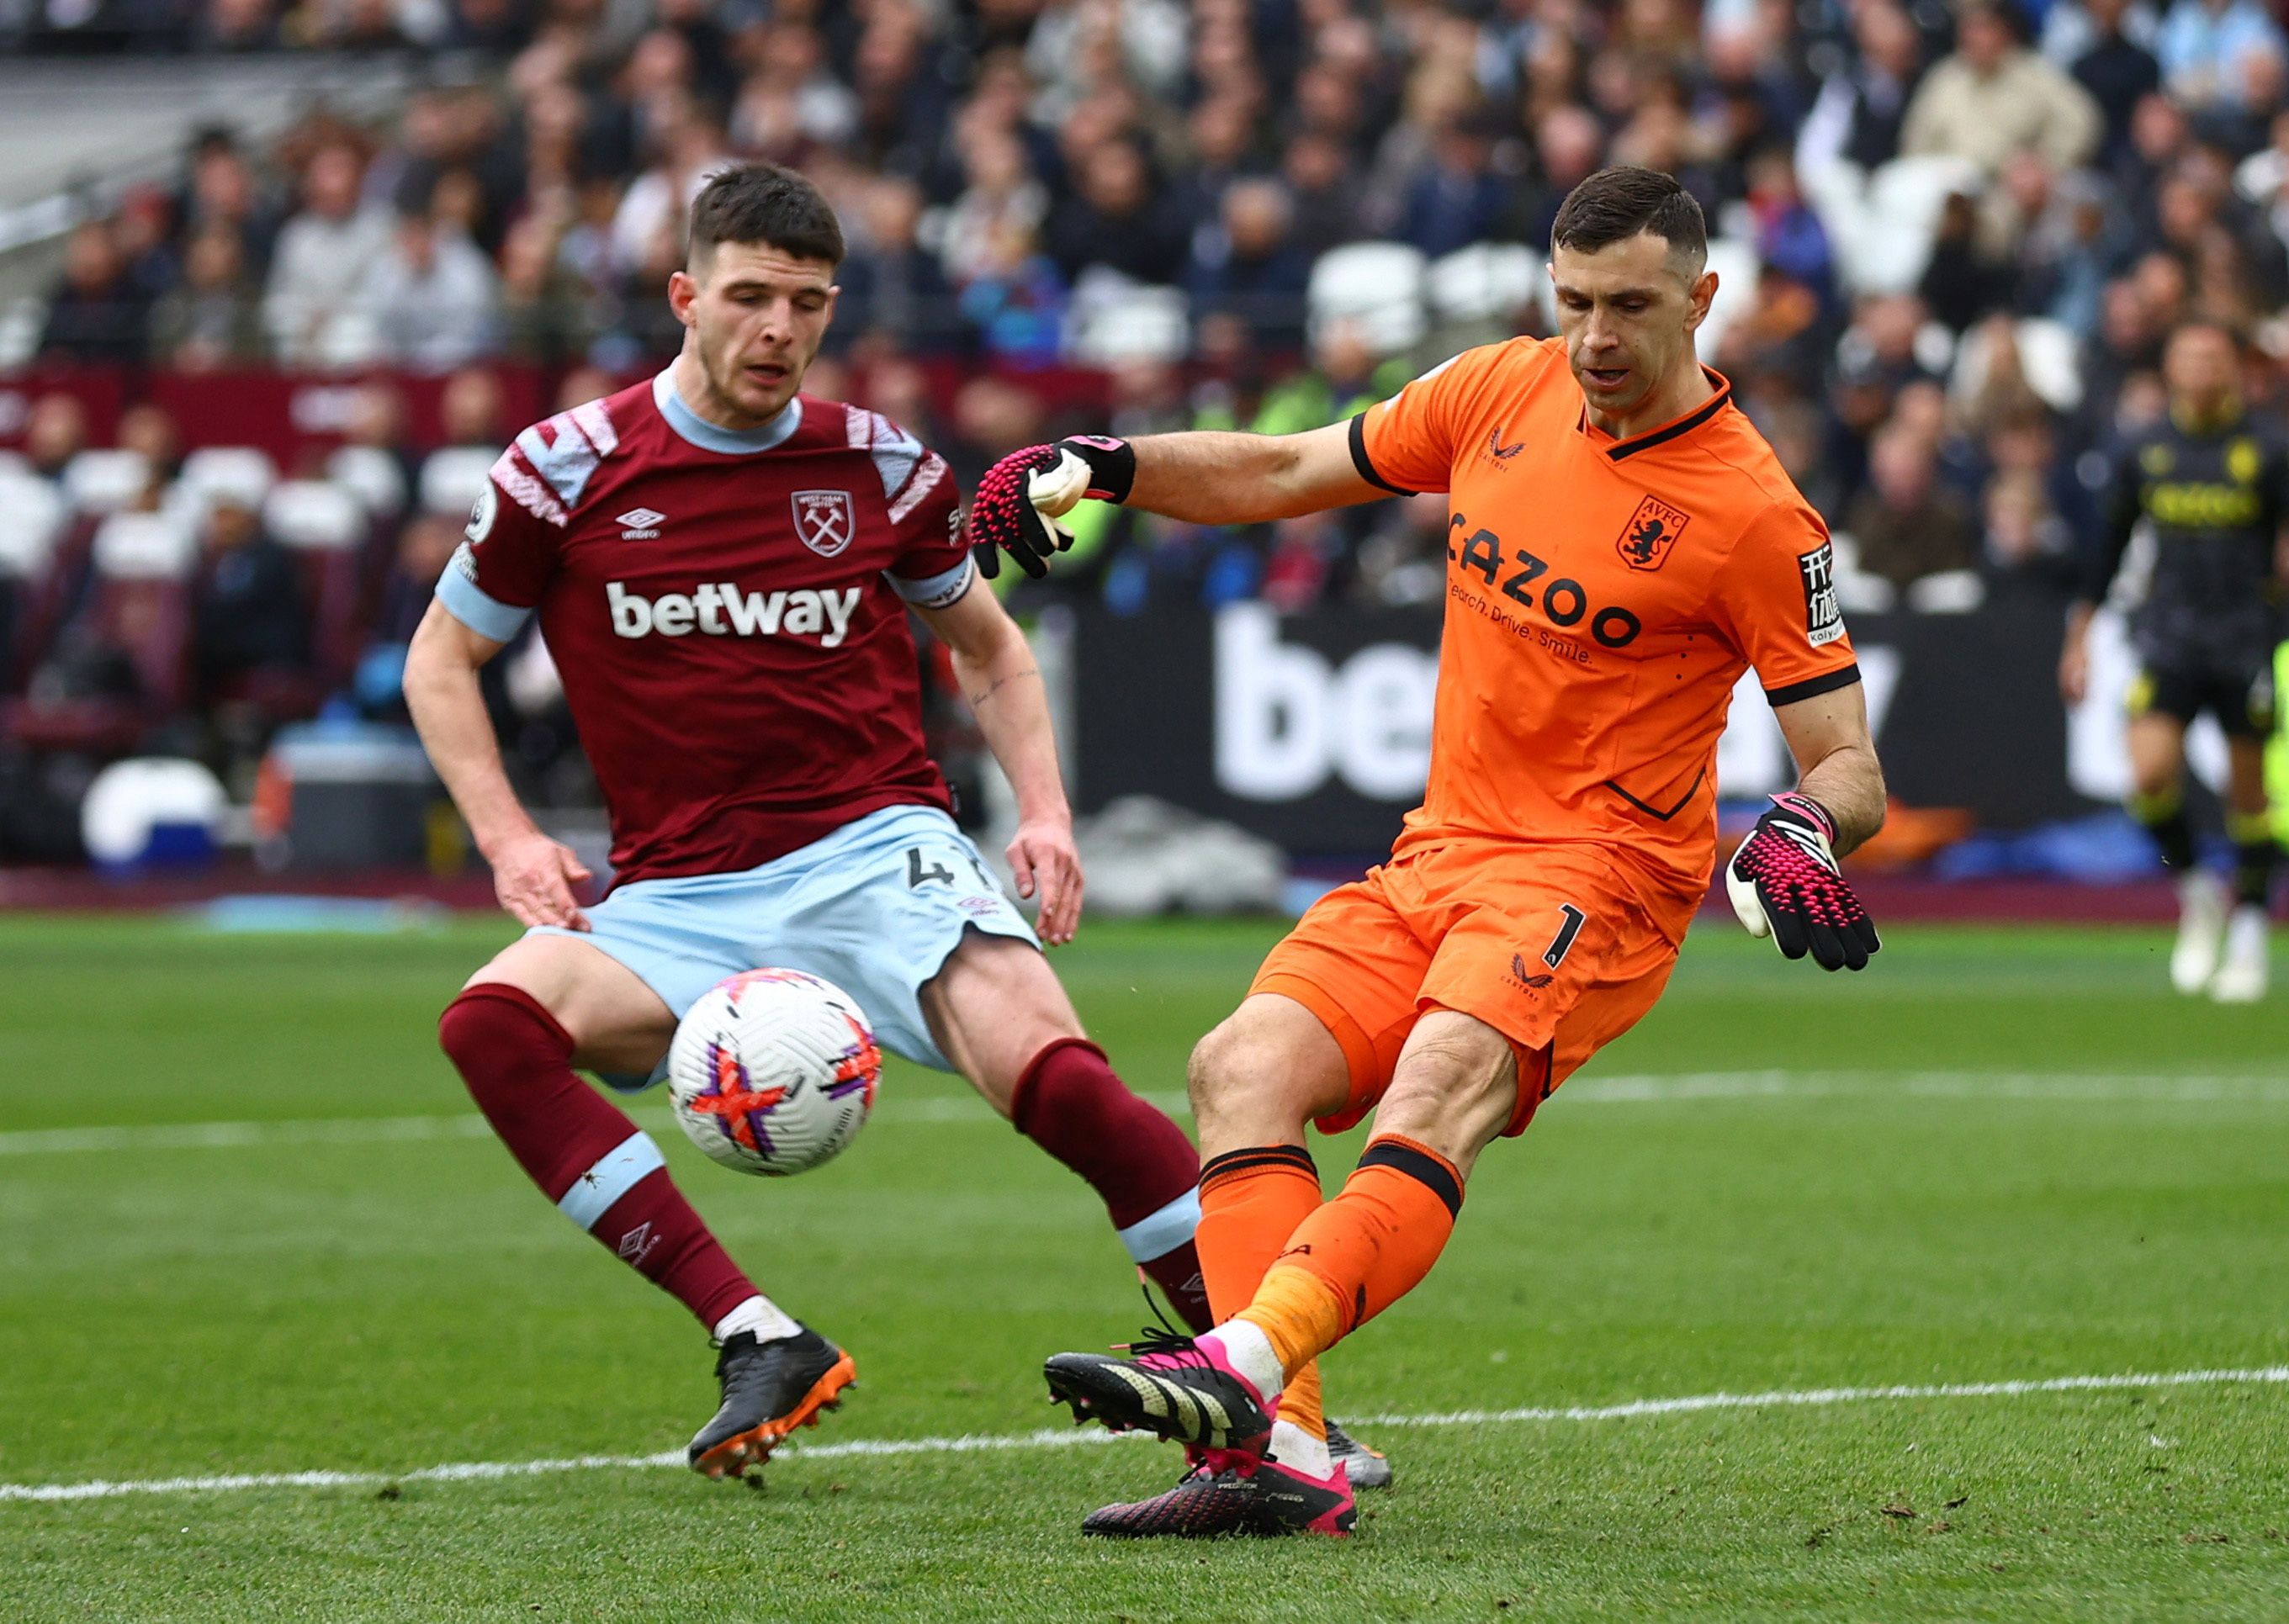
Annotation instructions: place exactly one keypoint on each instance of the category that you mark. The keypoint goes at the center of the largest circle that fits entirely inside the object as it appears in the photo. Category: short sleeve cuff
(1365, 465)
(476, 609)
(1811, 688)
(941, 591)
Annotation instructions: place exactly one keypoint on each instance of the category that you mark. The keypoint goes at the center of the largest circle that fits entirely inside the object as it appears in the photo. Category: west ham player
(722, 567)
(2214, 483)
(1622, 547)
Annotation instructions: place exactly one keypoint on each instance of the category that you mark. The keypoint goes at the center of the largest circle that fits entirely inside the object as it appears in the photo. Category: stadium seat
(105, 481)
(452, 478)
(237, 471)
(1951, 592)
(1141, 323)
(314, 514)
(1380, 285)
(145, 547)
(327, 528)
(372, 475)
(22, 322)
(2047, 357)
(1484, 282)
(138, 604)
(1884, 236)
(32, 520)
(1737, 266)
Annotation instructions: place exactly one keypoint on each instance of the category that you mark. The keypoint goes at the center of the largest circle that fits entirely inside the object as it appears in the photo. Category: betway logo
(721, 610)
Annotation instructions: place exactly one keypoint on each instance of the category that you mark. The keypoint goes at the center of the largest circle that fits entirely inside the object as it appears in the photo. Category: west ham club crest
(825, 520)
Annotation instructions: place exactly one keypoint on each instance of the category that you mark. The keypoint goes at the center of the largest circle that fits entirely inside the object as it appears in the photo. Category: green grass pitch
(2000, 1156)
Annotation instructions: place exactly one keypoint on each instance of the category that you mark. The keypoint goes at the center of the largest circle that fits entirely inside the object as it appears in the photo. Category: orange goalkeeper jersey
(1603, 597)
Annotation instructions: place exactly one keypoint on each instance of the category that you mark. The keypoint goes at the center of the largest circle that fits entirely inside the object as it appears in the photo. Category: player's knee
(487, 1019)
(1220, 1067)
(1243, 1077)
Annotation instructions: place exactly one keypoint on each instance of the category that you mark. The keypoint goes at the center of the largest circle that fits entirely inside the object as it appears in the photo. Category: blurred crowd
(1952, 236)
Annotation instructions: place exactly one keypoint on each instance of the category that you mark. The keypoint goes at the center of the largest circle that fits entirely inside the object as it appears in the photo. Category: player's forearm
(1007, 694)
(449, 714)
(1849, 785)
(1208, 477)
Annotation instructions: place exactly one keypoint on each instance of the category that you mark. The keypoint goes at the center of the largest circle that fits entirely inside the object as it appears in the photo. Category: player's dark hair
(1616, 204)
(761, 202)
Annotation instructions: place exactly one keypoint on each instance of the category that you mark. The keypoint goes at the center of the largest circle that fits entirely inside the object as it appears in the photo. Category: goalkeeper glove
(1783, 883)
(1022, 497)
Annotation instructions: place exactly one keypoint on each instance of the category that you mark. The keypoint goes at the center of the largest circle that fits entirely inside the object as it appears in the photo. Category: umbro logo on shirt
(642, 523)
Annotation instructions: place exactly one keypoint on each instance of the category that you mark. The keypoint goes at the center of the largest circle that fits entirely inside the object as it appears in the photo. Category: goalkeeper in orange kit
(1622, 545)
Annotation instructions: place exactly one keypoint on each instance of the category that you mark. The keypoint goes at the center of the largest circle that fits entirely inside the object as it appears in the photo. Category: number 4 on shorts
(917, 870)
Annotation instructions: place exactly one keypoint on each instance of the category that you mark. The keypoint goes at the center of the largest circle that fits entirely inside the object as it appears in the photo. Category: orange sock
(1361, 1253)
(1251, 1201)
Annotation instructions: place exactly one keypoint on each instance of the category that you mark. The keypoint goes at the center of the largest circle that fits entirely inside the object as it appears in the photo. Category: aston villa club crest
(1651, 532)
(825, 520)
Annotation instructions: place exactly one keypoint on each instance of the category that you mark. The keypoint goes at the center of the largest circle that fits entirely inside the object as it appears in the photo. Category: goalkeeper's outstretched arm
(1202, 477)
(1205, 477)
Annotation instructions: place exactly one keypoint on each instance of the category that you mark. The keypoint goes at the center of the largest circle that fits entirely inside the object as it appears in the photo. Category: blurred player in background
(723, 568)
(1622, 545)
(2214, 483)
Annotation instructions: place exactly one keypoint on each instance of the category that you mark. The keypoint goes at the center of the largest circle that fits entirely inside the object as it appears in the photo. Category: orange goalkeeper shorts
(1544, 941)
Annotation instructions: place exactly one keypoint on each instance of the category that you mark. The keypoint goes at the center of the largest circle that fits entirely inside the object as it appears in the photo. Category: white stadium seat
(1484, 282)
(1143, 324)
(239, 472)
(1738, 266)
(2046, 357)
(371, 474)
(105, 481)
(32, 514)
(453, 479)
(145, 547)
(1379, 285)
(314, 514)
(1883, 237)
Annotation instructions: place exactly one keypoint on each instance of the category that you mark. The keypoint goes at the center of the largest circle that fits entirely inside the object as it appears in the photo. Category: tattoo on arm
(999, 683)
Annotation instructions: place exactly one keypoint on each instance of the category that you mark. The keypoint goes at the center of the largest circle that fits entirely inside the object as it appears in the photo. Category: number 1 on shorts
(1555, 954)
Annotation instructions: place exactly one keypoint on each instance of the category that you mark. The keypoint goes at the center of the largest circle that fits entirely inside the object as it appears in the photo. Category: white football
(773, 1071)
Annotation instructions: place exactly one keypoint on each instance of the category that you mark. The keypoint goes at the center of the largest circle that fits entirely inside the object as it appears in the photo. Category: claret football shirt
(728, 612)
(1603, 597)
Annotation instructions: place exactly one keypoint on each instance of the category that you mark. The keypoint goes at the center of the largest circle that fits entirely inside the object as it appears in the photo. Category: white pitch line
(468, 1471)
(1647, 1088)
(2269, 1375)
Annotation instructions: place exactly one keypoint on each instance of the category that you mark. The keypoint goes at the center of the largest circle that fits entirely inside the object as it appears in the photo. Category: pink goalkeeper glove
(1783, 883)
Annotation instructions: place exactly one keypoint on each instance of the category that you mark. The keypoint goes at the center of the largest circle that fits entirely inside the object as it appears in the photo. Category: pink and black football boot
(1173, 1386)
(1226, 1491)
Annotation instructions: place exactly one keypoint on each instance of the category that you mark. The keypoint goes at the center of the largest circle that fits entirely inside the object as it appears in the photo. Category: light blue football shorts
(877, 907)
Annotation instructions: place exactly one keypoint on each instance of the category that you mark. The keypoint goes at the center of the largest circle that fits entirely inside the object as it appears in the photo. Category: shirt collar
(1675, 428)
(710, 437)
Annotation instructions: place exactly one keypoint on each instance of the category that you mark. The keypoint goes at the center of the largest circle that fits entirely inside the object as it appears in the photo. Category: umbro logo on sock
(636, 1245)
